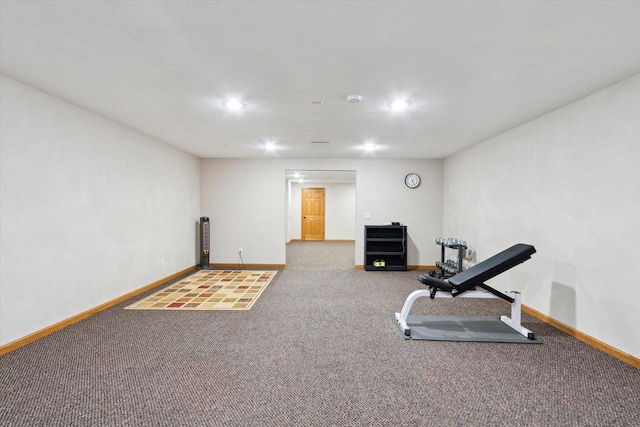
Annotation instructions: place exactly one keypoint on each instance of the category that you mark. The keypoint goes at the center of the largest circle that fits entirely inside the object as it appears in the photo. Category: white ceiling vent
(320, 142)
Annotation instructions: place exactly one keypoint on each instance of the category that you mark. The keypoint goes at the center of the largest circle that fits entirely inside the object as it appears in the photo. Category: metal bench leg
(401, 318)
(516, 310)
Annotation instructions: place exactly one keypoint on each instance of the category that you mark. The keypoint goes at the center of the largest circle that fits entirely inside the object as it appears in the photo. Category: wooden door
(313, 214)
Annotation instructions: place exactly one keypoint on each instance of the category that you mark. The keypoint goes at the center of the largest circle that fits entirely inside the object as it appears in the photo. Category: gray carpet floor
(320, 348)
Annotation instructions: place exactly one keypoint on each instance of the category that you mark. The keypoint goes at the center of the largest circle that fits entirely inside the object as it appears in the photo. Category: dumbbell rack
(449, 267)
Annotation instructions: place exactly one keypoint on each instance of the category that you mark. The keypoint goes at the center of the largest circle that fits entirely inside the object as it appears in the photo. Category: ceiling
(470, 70)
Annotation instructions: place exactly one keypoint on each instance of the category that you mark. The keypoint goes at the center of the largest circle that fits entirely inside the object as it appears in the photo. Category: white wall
(90, 210)
(340, 210)
(247, 200)
(382, 193)
(567, 183)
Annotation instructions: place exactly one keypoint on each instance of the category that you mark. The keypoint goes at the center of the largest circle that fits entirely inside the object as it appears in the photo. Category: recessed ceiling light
(399, 104)
(234, 104)
(270, 146)
(369, 146)
(354, 99)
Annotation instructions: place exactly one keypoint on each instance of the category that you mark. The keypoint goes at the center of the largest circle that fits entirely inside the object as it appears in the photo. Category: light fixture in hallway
(234, 104)
(399, 104)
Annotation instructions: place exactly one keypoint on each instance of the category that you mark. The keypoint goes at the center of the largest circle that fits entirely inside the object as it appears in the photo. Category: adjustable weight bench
(470, 283)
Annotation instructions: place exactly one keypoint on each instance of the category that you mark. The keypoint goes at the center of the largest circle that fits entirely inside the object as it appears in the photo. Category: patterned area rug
(210, 290)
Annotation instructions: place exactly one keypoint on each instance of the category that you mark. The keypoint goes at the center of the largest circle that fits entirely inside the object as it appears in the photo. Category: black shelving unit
(385, 247)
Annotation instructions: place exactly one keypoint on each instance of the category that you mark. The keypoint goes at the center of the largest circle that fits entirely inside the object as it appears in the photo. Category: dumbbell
(456, 244)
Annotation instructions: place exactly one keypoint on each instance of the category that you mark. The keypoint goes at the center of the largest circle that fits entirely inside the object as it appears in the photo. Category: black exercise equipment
(470, 282)
(449, 267)
(204, 243)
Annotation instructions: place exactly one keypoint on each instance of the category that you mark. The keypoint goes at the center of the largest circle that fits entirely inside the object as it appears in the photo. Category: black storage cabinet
(387, 243)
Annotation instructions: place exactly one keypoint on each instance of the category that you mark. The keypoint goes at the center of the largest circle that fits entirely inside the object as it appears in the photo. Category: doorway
(340, 202)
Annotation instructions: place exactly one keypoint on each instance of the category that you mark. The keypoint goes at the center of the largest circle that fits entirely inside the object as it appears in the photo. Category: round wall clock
(412, 180)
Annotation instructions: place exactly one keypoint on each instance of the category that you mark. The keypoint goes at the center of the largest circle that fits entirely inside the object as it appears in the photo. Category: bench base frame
(513, 322)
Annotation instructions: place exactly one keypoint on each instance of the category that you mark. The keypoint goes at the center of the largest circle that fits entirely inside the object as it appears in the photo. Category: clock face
(412, 180)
